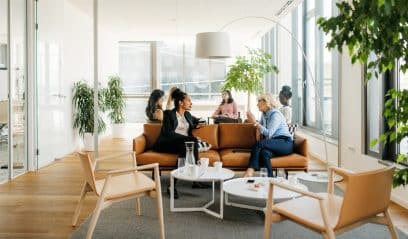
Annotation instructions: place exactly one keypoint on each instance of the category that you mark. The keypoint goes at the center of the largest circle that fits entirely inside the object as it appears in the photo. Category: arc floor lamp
(216, 45)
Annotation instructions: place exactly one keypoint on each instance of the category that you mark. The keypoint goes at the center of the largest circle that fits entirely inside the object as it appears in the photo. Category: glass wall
(13, 159)
(4, 103)
(144, 66)
(295, 71)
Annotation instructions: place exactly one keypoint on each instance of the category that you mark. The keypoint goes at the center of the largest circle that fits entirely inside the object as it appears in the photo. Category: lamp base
(321, 177)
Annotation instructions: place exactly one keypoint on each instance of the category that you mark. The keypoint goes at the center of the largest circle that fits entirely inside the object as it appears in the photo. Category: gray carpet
(120, 220)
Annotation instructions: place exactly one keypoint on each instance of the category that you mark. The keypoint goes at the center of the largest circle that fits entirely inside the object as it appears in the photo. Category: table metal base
(234, 204)
(205, 207)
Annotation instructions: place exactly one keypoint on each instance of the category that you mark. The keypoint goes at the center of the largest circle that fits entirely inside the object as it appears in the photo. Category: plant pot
(118, 130)
(88, 142)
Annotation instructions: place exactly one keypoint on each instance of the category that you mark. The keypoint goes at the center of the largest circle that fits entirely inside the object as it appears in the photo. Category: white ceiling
(182, 18)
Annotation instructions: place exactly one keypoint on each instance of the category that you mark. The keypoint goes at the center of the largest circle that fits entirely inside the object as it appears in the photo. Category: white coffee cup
(203, 165)
(218, 166)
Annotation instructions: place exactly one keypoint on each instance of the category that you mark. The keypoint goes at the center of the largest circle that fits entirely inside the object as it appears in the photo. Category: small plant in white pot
(83, 103)
(115, 103)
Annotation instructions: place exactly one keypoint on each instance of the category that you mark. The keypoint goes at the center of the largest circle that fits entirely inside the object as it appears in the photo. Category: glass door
(54, 130)
(4, 103)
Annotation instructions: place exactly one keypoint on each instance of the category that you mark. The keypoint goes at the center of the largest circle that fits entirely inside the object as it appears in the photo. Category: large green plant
(378, 27)
(83, 102)
(247, 72)
(114, 100)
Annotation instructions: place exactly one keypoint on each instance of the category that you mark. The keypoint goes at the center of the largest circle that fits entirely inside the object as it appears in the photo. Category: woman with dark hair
(284, 96)
(227, 108)
(154, 111)
(177, 128)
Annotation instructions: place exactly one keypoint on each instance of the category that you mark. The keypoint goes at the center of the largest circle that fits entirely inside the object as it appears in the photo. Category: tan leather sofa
(231, 143)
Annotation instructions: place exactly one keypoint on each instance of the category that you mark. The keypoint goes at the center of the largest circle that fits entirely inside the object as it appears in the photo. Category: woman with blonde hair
(275, 137)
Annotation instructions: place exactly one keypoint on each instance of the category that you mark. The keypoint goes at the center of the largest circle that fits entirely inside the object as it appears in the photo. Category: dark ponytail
(286, 91)
(178, 95)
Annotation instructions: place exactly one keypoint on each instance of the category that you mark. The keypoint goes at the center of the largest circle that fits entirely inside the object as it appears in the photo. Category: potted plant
(247, 72)
(381, 28)
(115, 103)
(83, 102)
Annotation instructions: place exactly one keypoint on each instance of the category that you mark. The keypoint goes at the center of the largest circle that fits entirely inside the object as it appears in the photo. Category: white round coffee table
(320, 177)
(210, 175)
(241, 188)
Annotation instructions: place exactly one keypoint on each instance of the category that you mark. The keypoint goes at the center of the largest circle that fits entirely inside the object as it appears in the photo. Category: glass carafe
(190, 160)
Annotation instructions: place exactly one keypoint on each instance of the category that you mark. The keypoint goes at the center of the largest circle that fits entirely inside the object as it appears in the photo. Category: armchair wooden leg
(330, 234)
(268, 213)
(138, 209)
(78, 208)
(159, 205)
(390, 225)
(94, 220)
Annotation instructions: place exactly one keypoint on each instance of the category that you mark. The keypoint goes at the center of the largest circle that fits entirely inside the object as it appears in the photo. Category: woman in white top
(177, 128)
(284, 97)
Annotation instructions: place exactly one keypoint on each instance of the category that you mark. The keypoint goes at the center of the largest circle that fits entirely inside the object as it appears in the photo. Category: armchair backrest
(152, 133)
(300, 146)
(366, 194)
(88, 168)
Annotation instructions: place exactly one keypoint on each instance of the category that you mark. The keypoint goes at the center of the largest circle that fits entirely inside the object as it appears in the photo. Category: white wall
(352, 127)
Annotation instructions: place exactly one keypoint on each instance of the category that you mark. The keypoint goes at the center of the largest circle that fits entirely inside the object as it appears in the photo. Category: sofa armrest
(139, 144)
(300, 146)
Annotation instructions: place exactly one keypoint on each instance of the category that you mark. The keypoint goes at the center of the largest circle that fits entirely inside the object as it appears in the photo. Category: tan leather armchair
(119, 185)
(367, 195)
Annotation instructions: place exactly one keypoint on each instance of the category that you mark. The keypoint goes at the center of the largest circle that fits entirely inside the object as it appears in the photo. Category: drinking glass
(281, 174)
(181, 162)
(263, 172)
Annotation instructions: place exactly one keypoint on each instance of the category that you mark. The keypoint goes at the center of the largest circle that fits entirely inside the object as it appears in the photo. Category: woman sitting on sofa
(177, 128)
(227, 108)
(154, 111)
(275, 137)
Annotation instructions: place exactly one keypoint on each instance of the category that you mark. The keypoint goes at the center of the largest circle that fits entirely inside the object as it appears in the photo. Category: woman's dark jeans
(266, 149)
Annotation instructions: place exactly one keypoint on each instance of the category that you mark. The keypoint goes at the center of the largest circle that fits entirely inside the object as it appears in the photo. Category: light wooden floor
(41, 204)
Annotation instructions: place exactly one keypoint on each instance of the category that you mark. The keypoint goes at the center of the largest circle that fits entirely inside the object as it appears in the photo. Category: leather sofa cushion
(236, 136)
(213, 155)
(164, 159)
(234, 159)
(151, 132)
(209, 134)
(289, 161)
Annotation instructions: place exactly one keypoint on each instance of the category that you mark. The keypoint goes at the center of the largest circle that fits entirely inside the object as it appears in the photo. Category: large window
(135, 67)
(178, 66)
(375, 125)
(318, 72)
(144, 66)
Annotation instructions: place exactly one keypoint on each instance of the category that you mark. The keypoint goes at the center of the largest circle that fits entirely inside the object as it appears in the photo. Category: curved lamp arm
(309, 69)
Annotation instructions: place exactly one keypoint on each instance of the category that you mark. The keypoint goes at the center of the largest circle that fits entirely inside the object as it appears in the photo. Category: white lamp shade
(213, 45)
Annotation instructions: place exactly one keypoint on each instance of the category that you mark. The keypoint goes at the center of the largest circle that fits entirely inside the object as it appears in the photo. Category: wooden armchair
(119, 185)
(367, 194)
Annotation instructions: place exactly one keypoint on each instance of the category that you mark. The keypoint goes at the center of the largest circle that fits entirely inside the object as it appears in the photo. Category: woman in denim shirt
(275, 137)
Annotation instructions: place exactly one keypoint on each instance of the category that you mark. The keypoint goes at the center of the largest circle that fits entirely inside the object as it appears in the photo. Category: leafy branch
(247, 72)
(378, 27)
